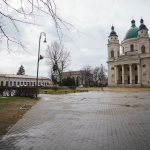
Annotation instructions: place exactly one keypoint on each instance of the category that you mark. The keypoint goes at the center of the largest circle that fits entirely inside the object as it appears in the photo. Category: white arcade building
(22, 80)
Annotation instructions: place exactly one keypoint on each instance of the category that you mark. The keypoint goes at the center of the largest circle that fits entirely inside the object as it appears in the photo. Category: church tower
(143, 39)
(113, 45)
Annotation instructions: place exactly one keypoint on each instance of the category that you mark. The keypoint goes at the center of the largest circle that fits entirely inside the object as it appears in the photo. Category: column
(134, 46)
(122, 74)
(130, 73)
(139, 73)
(116, 76)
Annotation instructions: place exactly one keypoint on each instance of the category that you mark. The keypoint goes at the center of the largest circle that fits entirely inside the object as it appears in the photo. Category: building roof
(132, 32)
(113, 33)
(22, 76)
(142, 26)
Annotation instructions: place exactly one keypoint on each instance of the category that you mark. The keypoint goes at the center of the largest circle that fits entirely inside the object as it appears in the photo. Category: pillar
(122, 74)
(116, 76)
(139, 73)
(130, 73)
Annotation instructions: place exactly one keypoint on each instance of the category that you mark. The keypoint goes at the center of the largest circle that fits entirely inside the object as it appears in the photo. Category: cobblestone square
(93, 120)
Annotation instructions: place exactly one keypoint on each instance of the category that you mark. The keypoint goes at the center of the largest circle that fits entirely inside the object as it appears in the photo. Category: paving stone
(89, 121)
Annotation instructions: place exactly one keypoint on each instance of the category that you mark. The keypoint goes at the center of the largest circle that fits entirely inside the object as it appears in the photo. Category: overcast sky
(92, 19)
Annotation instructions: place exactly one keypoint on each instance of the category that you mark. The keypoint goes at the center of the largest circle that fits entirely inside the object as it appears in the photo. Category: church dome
(132, 32)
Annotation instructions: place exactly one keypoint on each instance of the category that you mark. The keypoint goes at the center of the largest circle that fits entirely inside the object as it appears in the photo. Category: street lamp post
(145, 77)
(98, 78)
(102, 76)
(39, 57)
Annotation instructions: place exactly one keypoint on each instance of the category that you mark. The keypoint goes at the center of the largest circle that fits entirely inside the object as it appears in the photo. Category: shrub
(68, 81)
(28, 91)
(72, 87)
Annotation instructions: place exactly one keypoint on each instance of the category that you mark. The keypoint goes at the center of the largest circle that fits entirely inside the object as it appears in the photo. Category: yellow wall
(2, 79)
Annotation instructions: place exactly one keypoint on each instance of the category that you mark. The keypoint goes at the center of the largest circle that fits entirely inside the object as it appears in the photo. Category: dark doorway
(128, 79)
(1, 83)
(121, 79)
(136, 79)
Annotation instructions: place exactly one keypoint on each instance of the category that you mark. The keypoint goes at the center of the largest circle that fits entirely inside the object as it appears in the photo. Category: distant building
(80, 77)
(22, 80)
(132, 66)
(104, 82)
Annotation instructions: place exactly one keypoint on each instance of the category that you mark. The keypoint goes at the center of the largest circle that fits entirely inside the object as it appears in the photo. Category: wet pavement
(93, 120)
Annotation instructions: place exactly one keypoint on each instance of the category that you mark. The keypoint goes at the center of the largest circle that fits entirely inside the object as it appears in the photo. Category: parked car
(81, 86)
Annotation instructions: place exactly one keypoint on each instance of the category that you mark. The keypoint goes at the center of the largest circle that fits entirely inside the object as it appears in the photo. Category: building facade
(80, 77)
(131, 67)
(22, 80)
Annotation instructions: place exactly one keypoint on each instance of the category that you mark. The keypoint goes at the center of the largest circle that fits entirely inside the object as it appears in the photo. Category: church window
(143, 49)
(132, 47)
(144, 66)
(112, 53)
(123, 49)
(112, 68)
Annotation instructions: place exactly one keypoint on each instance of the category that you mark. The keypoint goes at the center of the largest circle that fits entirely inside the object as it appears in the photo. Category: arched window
(123, 49)
(112, 53)
(143, 49)
(132, 47)
(1, 83)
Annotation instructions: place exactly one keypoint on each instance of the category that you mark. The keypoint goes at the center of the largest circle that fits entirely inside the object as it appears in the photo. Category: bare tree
(82, 76)
(22, 12)
(57, 54)
(99, 74)
(102, 73)
(87, 74)
(96, 71)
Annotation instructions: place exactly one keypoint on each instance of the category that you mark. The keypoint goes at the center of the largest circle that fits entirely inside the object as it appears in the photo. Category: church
(131, 66)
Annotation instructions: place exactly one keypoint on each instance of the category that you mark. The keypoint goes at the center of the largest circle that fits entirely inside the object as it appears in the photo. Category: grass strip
(10, 111)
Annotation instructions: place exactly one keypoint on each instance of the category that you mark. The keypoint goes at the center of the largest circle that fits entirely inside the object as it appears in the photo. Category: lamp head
(41, 57)
(45, 40)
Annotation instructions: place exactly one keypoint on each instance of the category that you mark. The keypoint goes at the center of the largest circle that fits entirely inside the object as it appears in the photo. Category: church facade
(131, 67)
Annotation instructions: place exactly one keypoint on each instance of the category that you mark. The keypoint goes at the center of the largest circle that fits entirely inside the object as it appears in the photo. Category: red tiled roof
(23, 76)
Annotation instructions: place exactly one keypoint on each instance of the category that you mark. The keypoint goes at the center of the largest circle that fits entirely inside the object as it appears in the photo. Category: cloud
(87, 44)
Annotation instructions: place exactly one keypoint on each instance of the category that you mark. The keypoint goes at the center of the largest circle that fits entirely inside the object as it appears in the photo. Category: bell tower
(113, 45)
(143, 39)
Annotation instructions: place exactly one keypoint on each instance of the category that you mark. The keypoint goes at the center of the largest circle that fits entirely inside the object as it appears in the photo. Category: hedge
(59, 88)
(26, 91)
